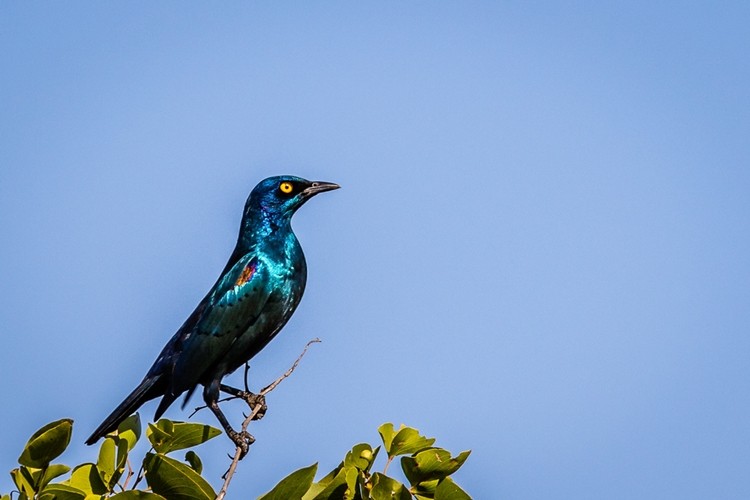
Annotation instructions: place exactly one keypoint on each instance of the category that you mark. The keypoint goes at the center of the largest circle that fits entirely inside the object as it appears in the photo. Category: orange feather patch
(247, 274)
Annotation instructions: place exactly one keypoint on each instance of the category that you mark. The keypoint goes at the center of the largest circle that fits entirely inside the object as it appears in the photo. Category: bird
(251, 301)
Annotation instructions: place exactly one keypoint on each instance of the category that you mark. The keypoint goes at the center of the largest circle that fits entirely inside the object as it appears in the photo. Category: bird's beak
(318, 187)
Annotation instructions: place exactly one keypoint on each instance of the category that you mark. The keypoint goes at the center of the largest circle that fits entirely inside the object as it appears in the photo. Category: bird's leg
(248, 397)
(242, 439)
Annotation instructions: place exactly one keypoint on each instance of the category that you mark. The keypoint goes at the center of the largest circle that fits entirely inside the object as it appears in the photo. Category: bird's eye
(286, 187)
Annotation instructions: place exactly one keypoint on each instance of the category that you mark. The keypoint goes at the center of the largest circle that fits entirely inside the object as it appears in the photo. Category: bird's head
(279, 197)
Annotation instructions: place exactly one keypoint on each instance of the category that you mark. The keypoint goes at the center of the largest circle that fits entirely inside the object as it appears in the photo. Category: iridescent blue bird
(254, 297)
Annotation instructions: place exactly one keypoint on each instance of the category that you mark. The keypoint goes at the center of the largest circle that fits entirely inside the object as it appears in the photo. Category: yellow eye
(286, 187)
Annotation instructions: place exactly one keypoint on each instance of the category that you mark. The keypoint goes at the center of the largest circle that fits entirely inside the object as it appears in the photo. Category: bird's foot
(254, 401)
(242, 439)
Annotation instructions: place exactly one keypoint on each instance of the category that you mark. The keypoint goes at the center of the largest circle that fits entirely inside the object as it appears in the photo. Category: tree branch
(253, 414)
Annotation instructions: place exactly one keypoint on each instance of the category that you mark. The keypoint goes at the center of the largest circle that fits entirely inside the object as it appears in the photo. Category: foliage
(426, 468)
(111, 474)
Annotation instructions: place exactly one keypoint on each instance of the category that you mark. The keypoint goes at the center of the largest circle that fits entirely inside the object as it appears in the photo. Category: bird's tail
(140, 395)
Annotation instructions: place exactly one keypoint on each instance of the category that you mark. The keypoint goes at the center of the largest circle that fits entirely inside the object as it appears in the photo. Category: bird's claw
(243, 440)
(255, 400)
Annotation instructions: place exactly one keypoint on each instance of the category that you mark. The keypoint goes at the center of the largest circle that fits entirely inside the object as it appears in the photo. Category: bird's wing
(232, 306)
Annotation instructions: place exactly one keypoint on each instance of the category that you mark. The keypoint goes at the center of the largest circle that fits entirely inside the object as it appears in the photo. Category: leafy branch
(427, 469)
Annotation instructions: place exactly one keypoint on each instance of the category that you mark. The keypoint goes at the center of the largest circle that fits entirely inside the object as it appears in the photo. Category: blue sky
(540, 251)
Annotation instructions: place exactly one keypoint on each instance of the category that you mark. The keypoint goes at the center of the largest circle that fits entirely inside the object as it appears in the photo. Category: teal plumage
(255, 295)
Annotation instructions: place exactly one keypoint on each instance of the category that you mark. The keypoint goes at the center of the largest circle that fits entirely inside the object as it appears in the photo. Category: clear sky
(541, 249)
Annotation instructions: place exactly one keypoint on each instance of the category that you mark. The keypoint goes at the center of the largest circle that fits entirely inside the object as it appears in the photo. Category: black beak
(319, 187)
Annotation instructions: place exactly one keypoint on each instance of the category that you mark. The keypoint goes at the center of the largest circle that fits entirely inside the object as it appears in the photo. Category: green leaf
(167, 436)
(47, 443)
(106, 462)
(195, 461)
(387, 488)
(407, 440)
(314, 491)
(433, 463)
(448, 490)
(361, 456)
(24, 481)
(371, 459)
(130, 430)
(294, 486)
(86, 478)
(318, 487)
(425, 488)
(175, 480)
(386, 434)
(352, 477)
(338, 487)
(59, 491)
(33, 475)
(136, 495)
(122, 459)
(331, 475)
(157, 437)
(51, 472)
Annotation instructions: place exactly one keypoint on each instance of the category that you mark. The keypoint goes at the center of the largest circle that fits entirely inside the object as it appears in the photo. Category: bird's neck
(272, 236)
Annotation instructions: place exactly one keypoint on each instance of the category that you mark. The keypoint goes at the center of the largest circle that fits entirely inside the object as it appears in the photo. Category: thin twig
(237, 454)
(203, 407)
(141, 472)
(128, 476)
(256, 409)
(286, 374)
(387, 463)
